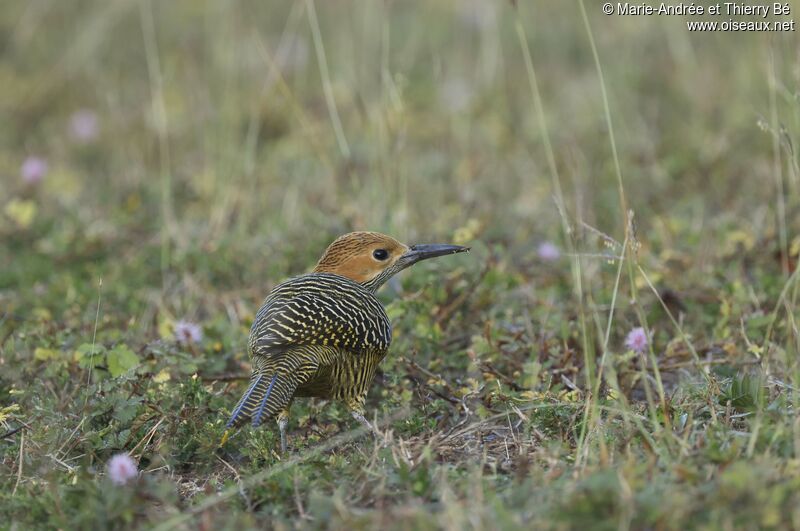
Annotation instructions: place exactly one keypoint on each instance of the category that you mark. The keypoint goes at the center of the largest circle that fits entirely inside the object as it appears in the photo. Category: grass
(234, 142)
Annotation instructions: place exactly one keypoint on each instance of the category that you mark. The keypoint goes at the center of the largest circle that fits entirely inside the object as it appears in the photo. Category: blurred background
(164, 164)
(246, 131)
(180, 150)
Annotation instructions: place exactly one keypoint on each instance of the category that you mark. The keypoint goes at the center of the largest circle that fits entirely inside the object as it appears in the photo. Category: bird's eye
(380, 254)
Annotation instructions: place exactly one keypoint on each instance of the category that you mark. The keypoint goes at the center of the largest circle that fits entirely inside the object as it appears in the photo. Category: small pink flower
(637, 340)
(121, 469)
(83, 125)
(33, 170)
(548, 252)
(188, 333)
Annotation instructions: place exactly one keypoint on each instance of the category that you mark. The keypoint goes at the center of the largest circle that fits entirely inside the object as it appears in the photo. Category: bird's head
(371, 258)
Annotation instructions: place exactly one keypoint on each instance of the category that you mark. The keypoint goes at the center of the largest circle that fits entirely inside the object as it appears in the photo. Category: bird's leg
(356, 406)
(376, 434)
(283, 421)
(362, 419)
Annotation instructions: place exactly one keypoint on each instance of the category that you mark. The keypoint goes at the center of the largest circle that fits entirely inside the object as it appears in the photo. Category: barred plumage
(320, 309)
(323, 334)
(312, 333)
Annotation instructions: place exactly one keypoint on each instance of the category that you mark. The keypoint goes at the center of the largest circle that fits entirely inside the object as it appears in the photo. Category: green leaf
(88, 355)
(46, 354)
(121, 359)
(125, 410)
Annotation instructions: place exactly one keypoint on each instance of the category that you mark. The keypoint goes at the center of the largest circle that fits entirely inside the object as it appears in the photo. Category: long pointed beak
(423, 251)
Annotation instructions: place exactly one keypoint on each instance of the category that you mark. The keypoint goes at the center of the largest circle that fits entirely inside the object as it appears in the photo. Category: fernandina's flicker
(323, 334)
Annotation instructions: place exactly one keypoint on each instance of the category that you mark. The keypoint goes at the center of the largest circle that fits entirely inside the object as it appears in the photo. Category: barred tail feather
(238, 417)
(265, 397)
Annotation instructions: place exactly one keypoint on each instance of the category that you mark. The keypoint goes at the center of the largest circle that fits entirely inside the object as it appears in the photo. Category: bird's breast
(322, 309)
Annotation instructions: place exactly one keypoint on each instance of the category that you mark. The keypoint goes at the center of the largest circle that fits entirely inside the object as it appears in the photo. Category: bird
(323, 334)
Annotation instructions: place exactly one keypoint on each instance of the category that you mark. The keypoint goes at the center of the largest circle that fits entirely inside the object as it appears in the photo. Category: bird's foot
(282, 423)
(376, 434)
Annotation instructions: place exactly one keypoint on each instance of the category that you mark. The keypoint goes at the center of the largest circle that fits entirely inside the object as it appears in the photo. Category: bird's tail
(266, 396)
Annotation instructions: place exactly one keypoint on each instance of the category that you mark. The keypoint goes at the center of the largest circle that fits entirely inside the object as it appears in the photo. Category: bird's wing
(321, 310)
